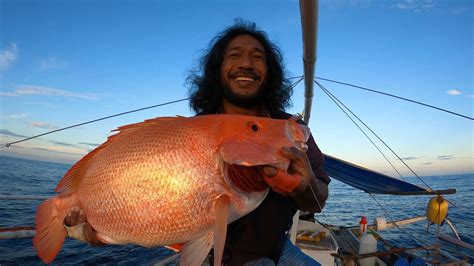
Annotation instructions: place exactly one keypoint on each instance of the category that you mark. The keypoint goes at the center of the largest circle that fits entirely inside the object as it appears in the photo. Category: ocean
(344, 207)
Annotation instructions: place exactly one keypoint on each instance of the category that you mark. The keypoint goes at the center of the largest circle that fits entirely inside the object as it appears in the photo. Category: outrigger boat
(338, 245)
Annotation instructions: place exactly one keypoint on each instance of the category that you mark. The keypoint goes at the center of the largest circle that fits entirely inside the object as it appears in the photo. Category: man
(242, 73)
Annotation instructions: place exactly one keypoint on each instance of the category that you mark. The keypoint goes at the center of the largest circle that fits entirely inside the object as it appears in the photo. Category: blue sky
(66, 62)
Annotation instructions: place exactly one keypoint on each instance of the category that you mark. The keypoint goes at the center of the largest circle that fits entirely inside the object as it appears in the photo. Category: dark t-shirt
(260, 234)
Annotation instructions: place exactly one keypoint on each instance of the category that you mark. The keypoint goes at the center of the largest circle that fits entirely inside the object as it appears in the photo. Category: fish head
(247, 144)
(256, 141)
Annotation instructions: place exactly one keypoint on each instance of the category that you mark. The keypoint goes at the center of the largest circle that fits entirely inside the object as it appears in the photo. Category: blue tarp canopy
(371, 181)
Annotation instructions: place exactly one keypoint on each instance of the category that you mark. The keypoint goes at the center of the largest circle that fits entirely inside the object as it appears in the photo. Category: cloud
(8, 94)
(454, 92)
(414, 5)
(52, 63)
(460, 10)
(410, 158)
(63, 144)
(9, 133)
(56, 151)
(344, 3)
(428, 163)
(14, 116)
(45, 91)
(89, 144)
(42, 125)
(445, 157)
(8, 56)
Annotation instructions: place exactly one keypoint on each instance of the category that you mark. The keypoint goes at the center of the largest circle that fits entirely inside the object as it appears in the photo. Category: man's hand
(298, 177)
(78, 227)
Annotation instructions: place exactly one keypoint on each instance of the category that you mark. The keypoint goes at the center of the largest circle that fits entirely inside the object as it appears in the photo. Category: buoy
(437, 210)
(380, 223)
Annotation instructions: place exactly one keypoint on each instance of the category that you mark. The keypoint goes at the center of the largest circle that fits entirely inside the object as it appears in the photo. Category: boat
(342, 246)
(332, 244)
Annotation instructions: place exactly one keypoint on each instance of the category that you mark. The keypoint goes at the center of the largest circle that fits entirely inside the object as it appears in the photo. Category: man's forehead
(245, 41)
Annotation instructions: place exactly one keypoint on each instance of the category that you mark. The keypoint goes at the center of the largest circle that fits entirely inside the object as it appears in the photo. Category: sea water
(344, 207)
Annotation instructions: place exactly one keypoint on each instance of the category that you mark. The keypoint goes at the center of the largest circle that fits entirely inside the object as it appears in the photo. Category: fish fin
(195, 251)
(220, 227)
(50, 231)
(72, 178)
(176, 247)
(109, 240)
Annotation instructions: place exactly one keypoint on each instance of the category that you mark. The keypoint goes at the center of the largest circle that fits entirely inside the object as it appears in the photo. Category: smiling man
(242, 73)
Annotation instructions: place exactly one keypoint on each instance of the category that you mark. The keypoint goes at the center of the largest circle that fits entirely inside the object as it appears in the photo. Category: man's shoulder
(280, 114)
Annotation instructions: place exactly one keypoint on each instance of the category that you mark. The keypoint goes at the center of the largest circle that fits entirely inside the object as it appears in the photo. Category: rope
(17, 232)
(23, 197)
(338, 240)
(300, 78)
(95, 120)
(395, 96)
(396, 225)
(375, 134)
(339, 103)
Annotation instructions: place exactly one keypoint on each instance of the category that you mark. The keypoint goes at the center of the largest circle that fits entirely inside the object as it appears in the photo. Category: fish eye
(254, 126)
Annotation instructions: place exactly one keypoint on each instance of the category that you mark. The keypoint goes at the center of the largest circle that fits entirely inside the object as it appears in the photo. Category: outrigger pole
(309, 10)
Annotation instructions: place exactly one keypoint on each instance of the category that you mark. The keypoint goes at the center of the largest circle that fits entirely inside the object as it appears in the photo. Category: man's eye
(234, 55)
(258, 57)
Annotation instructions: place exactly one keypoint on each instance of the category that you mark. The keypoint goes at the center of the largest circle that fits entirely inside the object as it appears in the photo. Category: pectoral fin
(220, 227)
(194, 252)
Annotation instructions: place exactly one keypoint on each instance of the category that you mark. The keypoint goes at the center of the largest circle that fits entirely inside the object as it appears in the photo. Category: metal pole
(309, 10)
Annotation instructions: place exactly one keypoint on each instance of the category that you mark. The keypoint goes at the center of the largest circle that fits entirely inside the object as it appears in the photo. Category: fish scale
(163, 182)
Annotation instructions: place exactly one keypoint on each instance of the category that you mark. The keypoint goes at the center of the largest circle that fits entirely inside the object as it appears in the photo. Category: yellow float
(437, 210)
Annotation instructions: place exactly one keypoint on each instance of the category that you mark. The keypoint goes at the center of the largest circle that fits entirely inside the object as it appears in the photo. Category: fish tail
(50, 231)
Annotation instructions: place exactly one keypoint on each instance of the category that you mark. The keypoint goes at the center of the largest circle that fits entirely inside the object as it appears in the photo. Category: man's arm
(313, 198)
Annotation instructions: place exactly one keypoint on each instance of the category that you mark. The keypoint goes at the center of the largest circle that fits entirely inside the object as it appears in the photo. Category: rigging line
(398, 97)
(296, 77)
(292, 86)
(357, 125)
(115, 115)
(95, 120)
(328, 227)
(380, 139)
(396, 225)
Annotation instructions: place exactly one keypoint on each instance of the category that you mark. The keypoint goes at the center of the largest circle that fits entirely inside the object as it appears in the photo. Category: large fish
(170, 180)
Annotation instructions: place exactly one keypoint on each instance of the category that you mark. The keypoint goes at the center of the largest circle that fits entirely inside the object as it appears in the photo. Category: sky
(67, 62)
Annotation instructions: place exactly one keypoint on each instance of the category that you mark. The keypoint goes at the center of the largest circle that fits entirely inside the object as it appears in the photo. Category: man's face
(243, 71)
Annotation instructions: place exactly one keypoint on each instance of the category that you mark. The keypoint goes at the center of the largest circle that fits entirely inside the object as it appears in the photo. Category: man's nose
(246, 62)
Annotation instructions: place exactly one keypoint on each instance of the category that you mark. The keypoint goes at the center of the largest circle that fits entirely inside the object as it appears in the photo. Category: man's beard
(244, 101)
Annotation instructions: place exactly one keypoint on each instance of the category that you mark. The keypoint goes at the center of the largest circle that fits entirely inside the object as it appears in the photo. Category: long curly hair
(206, 88)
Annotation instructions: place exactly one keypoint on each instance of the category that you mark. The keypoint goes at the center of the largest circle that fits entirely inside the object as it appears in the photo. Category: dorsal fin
(73, 176)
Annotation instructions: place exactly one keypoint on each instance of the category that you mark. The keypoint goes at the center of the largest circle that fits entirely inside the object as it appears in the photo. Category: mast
(309, 10)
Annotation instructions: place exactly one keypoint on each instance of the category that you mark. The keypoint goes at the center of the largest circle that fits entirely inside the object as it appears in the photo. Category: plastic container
(368, 244)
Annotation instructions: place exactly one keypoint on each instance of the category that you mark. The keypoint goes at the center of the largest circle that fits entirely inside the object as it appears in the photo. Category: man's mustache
(245, 73)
